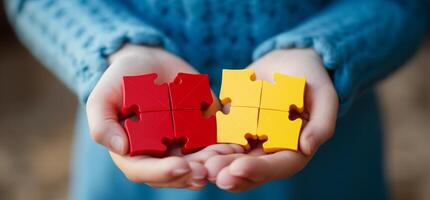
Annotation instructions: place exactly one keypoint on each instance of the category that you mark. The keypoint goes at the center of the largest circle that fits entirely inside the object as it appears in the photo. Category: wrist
(133, 51)
(301, 53)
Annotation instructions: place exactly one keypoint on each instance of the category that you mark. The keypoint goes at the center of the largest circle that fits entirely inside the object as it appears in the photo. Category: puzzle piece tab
(198, 130)
(280, 132)
(285, 92)
(190, 91)
(233, 127)
(240, 88)
(146, 135)
(141, 94)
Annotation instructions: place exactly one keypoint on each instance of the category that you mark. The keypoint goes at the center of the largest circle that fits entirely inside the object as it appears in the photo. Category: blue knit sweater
(359, 42)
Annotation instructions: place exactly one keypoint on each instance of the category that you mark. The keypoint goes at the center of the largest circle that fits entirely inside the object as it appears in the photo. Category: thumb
(104, 125)
(322, 118)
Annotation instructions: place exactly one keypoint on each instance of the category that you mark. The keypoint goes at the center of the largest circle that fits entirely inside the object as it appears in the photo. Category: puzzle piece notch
(287, 91)
(236, 125)
(198, 130)
(190, 92)
(285, 135)
(141, 94)
(146, 135)
(240, 88)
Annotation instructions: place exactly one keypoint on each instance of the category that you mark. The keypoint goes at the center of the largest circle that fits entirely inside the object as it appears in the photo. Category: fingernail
(195, 183)
(116, 144)
(239, 173)
(226, 187)
(198, 176)
(313, 145)
(179, 172)
(212, 179)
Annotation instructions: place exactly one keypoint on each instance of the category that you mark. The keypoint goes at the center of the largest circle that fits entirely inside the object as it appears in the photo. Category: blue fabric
(360, 42)
(349, 166)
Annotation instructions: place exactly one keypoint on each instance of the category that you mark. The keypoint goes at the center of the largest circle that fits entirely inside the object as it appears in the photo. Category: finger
(200, 156)
(251, 168)
(257, 152)
(231, 183)
(197, 184)
(147, 169)
(216, 163)
(194, 180)
(198, 175)
(180, 183)
(217, 149)
(224, 149)
(195, 188)
(104, 126)
(283, 164)
(322, 120)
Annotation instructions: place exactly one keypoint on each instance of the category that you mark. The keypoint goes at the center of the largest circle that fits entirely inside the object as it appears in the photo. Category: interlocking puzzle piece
(233, 127)
(198, 130)
(167, 112)
(279, 131)
(241, 88)
(285, 92)
(141, 94)
(146, 136)
(190, 91)
(271, 103)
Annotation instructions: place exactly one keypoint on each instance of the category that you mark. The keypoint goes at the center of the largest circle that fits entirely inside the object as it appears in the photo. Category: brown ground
(37, 116)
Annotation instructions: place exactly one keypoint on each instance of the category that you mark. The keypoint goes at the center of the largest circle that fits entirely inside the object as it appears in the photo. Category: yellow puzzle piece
(240, 88)
(233, 127)
(260, 109)
(280, 132)
(286, 91)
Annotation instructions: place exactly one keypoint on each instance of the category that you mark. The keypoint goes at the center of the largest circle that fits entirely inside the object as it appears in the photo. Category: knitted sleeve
(72, 38)
(358, 41)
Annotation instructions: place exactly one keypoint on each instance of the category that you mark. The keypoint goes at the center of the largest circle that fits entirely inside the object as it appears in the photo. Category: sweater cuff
(106, 46)
(74, 38)
(334, 34)
(358, 42)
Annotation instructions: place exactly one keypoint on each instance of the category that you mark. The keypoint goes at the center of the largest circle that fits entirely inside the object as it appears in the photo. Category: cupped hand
(240, 172)
(103, 110)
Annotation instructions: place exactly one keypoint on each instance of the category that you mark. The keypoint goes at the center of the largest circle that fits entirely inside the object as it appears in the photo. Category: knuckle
(214, 160)
(244, 166)
(97, 133)
(173, 162)
(237, 148)
(206, 155)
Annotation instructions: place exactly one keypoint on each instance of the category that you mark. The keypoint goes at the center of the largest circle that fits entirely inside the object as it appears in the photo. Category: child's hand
(240, 172)
(103, 110)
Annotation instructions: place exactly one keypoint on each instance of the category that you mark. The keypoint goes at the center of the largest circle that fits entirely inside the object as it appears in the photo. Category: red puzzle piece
(198, 130)
(190, 91)
(146, 135)
(141, 94)
(167, 112)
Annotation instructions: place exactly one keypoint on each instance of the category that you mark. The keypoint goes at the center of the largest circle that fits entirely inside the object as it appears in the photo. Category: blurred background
(37, 119)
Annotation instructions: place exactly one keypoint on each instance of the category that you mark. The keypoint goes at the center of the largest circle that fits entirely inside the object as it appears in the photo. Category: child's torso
(213, 33)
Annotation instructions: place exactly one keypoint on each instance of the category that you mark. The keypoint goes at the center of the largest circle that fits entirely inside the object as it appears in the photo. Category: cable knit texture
(359, 41)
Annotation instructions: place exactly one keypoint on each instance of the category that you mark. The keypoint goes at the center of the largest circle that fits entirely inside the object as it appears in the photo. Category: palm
(239, 172)
(103, 109)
